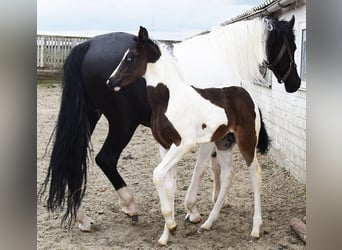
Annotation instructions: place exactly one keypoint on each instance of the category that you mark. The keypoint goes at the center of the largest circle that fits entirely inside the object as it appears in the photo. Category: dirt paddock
(282, 199)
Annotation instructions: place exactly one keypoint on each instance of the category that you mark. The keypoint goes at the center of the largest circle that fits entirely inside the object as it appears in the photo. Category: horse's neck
(227, 55)
(166, 71)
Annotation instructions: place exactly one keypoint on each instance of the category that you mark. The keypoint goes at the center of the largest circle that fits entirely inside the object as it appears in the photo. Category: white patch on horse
(126, 201)
(227, 56)
(85, 221)
(185, 101)
(116, 69)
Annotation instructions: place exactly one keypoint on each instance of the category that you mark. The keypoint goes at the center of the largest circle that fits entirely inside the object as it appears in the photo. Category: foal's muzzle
(114, 83)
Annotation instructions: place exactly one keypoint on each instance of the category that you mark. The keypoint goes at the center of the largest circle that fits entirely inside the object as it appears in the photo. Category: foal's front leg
(164, 180)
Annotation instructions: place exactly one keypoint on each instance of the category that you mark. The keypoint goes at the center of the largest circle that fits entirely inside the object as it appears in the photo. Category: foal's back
(242, 116)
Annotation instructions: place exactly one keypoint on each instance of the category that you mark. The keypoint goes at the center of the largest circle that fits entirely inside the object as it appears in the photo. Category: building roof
(264, 9)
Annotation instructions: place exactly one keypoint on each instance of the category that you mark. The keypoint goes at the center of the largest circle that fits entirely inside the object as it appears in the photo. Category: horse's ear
(292, 21)
(142, 37)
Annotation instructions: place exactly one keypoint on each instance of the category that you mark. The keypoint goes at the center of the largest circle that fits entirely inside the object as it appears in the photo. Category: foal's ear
(142, 37)
(292, 21)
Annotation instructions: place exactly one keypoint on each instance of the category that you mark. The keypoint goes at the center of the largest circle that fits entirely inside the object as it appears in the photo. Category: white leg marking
(162, 151)
(256, 179)
(126, 201)
(165, 236)
(224, 159)
(165, 181)
(85, 221)
(215, 168)
(204, 152)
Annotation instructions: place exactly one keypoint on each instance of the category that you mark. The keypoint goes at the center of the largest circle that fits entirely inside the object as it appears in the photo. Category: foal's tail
(264, 141)
(68, 163)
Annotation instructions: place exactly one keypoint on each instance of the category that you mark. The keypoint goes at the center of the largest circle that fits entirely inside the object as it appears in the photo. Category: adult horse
(86, 97)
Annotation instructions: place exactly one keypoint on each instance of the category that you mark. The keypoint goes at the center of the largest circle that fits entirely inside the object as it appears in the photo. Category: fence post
(52, 50)
(42, 52)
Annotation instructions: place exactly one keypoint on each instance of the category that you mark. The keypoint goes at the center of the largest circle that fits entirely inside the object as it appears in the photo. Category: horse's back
(104, 54)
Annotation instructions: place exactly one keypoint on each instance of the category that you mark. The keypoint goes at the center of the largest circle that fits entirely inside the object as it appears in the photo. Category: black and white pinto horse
(86, 97)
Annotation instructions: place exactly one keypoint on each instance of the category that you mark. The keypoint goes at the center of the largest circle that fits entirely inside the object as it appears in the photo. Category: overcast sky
(165, 19)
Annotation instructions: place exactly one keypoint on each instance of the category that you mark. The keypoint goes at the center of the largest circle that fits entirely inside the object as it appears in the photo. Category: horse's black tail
(264, 141)
(68, 163)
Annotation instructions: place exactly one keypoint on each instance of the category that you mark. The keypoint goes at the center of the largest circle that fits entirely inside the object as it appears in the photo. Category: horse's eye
(129, 59)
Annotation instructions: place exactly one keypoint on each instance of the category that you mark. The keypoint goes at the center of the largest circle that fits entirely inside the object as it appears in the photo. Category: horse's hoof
(87, 228)
(202, 230)
(253, 238)
(135, 218)
(195, 221)
(162, 242)
(173, 230)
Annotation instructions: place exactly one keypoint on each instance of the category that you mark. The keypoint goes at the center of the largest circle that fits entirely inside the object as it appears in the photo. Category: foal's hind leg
(225, 162)
(249, 154)
(256, 180)
(215, 168)
(204, 153)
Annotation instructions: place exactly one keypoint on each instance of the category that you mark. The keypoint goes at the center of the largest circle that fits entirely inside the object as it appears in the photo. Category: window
(267, 75)
(303, 57)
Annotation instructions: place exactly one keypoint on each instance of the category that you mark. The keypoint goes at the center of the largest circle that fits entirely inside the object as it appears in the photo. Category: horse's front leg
(164, 179)
(171, 183)
(107, 160)
(204, 153)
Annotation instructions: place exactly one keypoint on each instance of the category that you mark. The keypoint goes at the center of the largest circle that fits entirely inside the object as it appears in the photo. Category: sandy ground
(282, 198)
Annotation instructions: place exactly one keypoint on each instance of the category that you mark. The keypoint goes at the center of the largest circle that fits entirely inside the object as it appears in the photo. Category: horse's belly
(197, 119)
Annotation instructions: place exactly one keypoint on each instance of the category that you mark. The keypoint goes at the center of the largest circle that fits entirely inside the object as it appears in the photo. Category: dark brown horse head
(134, 62)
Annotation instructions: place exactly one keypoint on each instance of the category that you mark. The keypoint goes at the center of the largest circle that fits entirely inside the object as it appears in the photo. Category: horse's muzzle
(114, 83)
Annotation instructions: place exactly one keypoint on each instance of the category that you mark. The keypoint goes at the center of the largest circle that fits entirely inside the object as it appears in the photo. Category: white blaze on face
(116, 69)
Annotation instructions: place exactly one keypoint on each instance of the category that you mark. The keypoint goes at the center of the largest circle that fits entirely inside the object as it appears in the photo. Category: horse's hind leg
(215, 168)
(85, 222)
(249, 154)
(204, 153)
(256, 180)
(225, 143)
(225, 162)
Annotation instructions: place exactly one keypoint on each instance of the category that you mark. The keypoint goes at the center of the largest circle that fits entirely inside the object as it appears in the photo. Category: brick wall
(285, 113)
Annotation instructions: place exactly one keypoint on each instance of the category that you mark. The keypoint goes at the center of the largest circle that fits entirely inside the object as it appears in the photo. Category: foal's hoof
(253, 238)
(173, 230)
(202, 230)
(135, 218)
(193, 220)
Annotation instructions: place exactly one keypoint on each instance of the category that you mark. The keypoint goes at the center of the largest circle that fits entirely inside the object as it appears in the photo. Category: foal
(183, 116)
